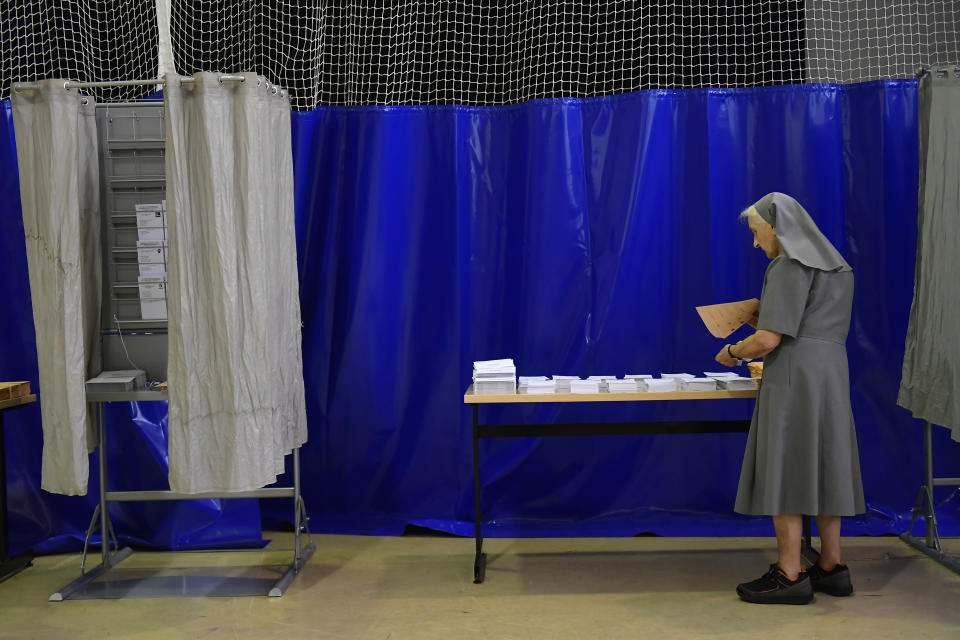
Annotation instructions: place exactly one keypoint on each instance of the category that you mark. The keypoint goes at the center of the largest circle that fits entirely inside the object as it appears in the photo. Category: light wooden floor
(560, 588)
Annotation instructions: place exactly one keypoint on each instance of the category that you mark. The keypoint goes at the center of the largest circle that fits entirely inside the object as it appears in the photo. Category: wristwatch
(730, 353)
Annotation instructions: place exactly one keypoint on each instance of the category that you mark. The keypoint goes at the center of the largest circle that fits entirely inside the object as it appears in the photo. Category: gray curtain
(930, 386)
(235, 368)
(60, 194)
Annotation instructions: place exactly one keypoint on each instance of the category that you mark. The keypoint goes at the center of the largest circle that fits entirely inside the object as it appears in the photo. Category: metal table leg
(9, 567)
(480, 559)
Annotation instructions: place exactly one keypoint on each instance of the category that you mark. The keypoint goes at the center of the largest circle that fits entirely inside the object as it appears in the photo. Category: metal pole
(102, 455)
(4, 543)
(930, 519)
(296, 507)
(479, 568)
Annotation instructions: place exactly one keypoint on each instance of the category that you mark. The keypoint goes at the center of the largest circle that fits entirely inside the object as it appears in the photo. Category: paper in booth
(723, 319)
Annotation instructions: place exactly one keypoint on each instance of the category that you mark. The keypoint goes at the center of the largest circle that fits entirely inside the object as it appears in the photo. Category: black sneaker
(774, 587)
(835, 582)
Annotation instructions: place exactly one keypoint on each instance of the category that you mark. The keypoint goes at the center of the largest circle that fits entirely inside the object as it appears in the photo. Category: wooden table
(9, 567)
(594, 429)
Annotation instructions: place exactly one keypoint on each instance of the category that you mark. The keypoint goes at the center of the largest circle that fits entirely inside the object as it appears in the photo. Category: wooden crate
(11, 390)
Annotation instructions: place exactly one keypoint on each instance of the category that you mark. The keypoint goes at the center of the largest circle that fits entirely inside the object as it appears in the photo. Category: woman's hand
(724, 358)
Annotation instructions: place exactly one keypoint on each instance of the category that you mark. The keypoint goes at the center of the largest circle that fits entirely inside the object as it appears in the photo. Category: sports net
(479, 52)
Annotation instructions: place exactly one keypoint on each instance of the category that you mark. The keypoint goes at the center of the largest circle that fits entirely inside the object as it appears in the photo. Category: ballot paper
(677, 376)
(721, 374)
(153, 298)
(698, 384)
(151, 215)
(602, 380)
(151, 252)
(563, 383)
(637, 376)
(524, 380)
(584, 386)
(494, 377)
(723, 319)
(622, 386)
(737, 383)
(534, 387)
(153, 270)
(658, 384)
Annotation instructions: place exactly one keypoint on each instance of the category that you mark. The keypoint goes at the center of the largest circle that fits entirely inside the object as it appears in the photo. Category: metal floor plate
(196, 582)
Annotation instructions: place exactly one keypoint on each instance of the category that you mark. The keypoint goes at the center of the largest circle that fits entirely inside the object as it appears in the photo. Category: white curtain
(930, 382)
(235, 367)
(60, 194)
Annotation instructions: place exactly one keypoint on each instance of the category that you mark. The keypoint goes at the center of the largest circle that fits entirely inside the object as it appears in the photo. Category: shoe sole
(838, 586)
(836, 593)
(799, 599)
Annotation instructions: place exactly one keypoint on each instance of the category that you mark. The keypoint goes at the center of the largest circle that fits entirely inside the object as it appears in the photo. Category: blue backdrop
(574, 235)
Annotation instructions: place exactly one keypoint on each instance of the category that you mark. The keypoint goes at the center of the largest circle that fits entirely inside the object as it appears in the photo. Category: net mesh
(480, 51)
(88, 40)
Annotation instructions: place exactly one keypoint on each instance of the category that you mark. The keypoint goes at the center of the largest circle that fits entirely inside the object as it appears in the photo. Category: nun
(801, 456)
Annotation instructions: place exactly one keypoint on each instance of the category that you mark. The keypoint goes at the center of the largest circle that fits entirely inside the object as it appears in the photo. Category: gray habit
(801, 454)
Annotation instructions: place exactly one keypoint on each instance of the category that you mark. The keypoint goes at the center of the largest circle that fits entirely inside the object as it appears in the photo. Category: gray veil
(798, 233)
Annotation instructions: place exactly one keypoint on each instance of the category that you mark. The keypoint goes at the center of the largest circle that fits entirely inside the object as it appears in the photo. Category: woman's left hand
(724, 358)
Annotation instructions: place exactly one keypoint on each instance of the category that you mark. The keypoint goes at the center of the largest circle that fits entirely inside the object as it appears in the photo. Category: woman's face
(764, 237)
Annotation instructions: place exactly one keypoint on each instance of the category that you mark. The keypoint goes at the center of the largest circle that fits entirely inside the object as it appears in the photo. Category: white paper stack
(622, 386)
(698, 384)
(658, 385)
(525, 380)
(152, 259)
(584, 386)
(737, 383)
(563, 383)
(721, 374)
(637, 376)
(602, 380)
(677, 376)
(494, 376)
(535, 387)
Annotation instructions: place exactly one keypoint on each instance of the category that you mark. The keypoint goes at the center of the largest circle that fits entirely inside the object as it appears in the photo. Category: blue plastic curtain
(575, 236)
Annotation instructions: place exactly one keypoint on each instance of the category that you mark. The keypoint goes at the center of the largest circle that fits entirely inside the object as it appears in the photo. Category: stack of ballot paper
(698, 384)
(657, 385)
(736, 383)
(622, 386)
(677, 376)
(602, 380)
(563, 383)
(584, 386)
(152, 259)
(494, 376)
(523, 381)
(637, 376)
(721, 374)
(534, 387)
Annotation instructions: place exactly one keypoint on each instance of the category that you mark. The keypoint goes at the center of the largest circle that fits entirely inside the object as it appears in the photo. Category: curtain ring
(274, 89)
(84, 100)
(65, 83)
(258, 81)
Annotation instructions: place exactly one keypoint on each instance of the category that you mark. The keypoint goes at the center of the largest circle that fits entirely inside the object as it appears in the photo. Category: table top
(127, 396)
(17, 402)
(604, 396)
